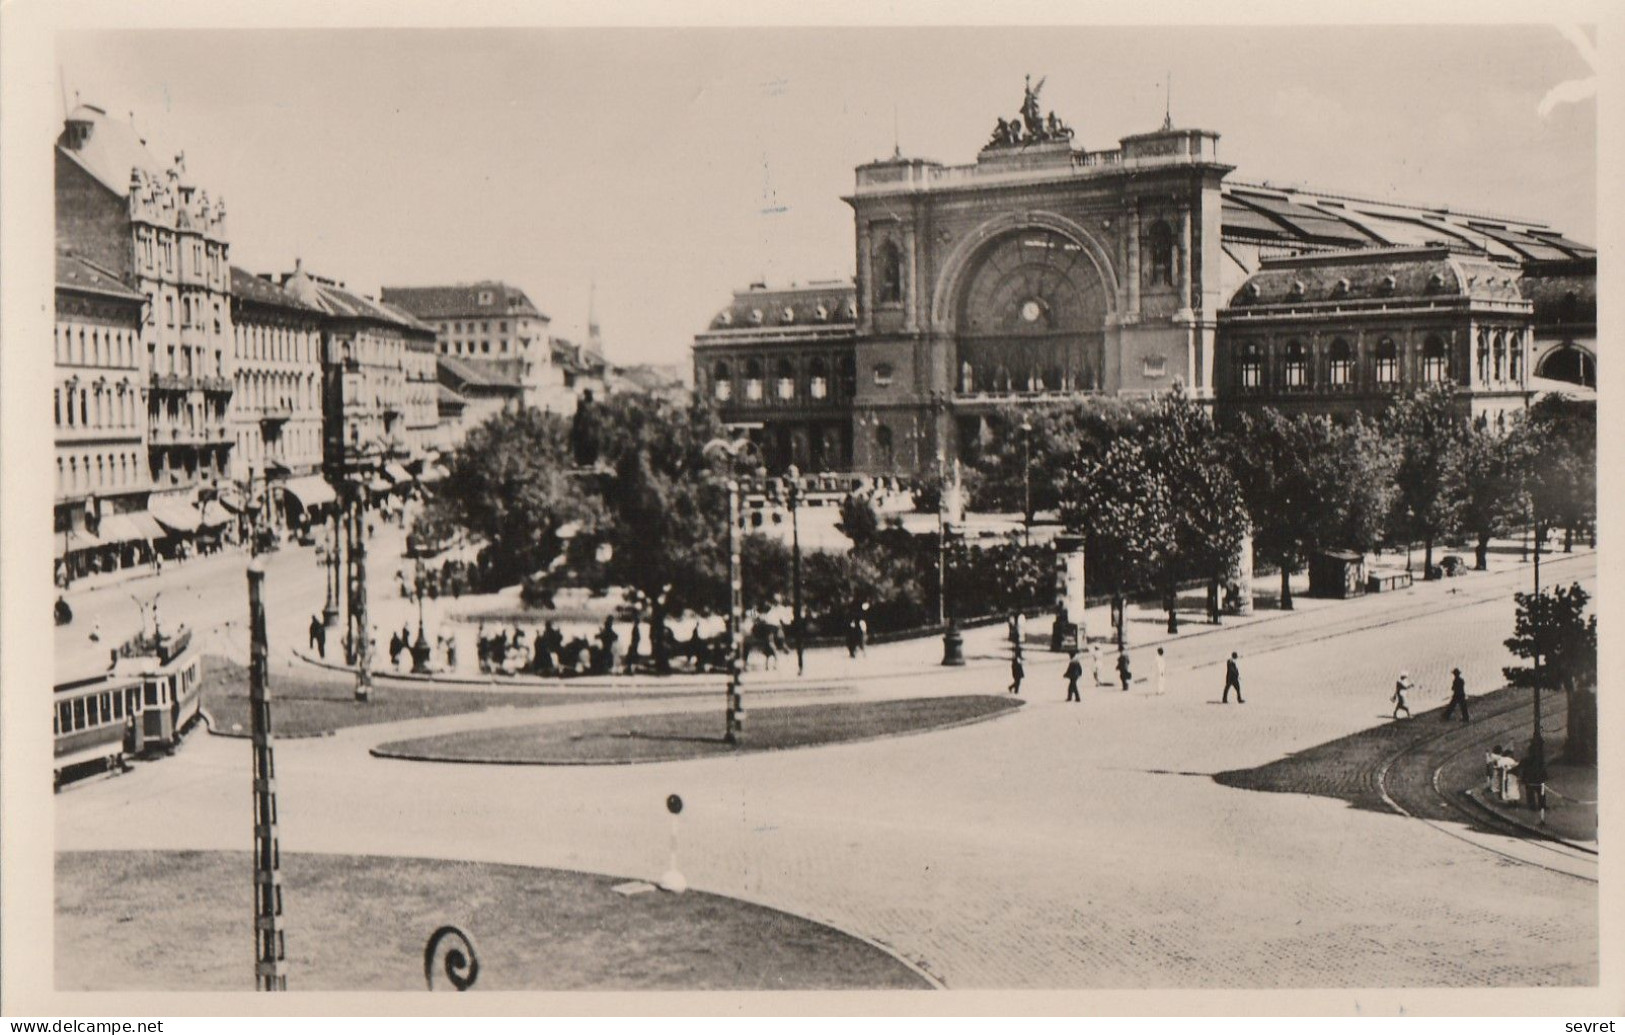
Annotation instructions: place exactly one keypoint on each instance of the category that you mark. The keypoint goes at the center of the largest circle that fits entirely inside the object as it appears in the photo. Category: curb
(401, 756)
(1472, 794)
(677, 681)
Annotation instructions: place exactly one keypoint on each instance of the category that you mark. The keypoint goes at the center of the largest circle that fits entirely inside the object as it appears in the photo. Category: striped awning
(122, 528)
(310, 491)
(177, 518)
(214, 515)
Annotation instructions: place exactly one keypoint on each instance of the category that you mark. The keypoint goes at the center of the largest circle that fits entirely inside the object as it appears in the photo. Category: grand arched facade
(1030, 315)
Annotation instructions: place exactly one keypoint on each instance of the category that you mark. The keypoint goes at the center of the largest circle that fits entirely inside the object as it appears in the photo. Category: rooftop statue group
(1029, 126)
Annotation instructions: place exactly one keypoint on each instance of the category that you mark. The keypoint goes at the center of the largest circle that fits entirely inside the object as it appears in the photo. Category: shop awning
(122, 528)
(177, 518)
(214, 516)
(146, 527)
(76, 540)
(379, 485)
(396, 473)
(311, 491)
(231, 499)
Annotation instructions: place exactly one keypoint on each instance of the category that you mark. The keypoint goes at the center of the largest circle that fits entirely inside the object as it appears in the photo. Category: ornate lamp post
(1026, 481)
(794, 494)
(420, 648)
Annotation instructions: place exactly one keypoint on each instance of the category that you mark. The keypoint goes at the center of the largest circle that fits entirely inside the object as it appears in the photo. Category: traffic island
(305, 705)
(679, 736)
(175, 922)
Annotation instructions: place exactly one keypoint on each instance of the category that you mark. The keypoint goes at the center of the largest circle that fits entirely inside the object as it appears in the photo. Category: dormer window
(486, 297)
(883, 375)
(756, 316)
(787, 315)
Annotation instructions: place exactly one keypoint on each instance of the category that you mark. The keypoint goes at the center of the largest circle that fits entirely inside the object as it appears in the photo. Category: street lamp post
(1026, 480)
(734, 719)
(795, 571)
(420, 649)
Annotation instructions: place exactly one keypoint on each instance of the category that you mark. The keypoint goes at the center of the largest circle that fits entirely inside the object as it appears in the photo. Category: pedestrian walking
(1402, 686)
(395, 649)
(1162, 671)
(318, 636)
(1232, 679)
(1073, 672)
(1096, 662)
(1458, 696)
(1122, 669)
(1017, 671)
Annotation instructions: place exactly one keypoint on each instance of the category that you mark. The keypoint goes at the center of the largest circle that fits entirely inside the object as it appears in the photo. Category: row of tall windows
(275, 344)
(786, 383)
(1500, 357)
(256, 390)
(99, 347)
(97, 405)
(1297, 366)
(75, 474)
(484, 326)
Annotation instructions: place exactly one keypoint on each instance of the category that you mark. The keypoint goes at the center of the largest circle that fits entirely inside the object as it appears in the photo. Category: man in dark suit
(1458, 696)
(1232, 678)
(1073, 671)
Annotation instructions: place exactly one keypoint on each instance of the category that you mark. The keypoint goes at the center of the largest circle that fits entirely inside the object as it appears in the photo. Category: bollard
(673, 880)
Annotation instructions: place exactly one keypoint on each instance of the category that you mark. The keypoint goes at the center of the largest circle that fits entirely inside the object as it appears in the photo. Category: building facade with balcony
(276, 409)
(1344, 332)
(100, 422)
(158, 233)
(364, 380)
(781, 365)
(492, 324)
(1044, 273)
(422, 397)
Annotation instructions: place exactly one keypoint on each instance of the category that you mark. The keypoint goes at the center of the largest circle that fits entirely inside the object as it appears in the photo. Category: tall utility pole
(358, 602)
(735, 727)
(270, 954)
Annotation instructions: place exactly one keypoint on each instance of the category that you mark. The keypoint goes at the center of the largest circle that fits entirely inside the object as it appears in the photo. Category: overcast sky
(644, 159)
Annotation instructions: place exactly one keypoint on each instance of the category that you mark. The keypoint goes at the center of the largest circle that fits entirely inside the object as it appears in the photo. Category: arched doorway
(1569, 363)
(1031, 317)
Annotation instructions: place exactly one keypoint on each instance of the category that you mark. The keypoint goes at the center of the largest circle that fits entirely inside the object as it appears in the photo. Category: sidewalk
(1571, 807)
(986, 648)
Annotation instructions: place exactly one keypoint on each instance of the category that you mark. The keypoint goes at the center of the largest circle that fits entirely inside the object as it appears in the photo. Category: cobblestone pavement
(1064, 846)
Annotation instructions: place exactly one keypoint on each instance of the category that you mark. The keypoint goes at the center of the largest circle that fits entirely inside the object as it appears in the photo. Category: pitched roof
(251, 288)
(473, 373)
(462, 300)
(833, 303)
(108, 148)
(448, 397)
(76, 274)
(1344, 278)
(338, 301)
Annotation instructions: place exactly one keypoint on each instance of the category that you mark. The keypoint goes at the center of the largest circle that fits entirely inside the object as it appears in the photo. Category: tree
(1427, 429)
(1310, 484)
(1204, 498)
(1011, 464)
(1121, 506)
(1486, 482)
(1553, 630)
(1557, 439)
(511, 484)
(664, 506)
(859, 520)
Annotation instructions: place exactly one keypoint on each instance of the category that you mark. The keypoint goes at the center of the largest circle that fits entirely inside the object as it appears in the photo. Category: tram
(143, 703)
(92, 724)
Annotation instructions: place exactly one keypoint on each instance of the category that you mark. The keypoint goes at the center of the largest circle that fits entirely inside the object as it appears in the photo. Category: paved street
(1065, 846)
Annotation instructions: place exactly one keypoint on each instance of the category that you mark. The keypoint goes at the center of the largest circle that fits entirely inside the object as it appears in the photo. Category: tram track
(1412, 781)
